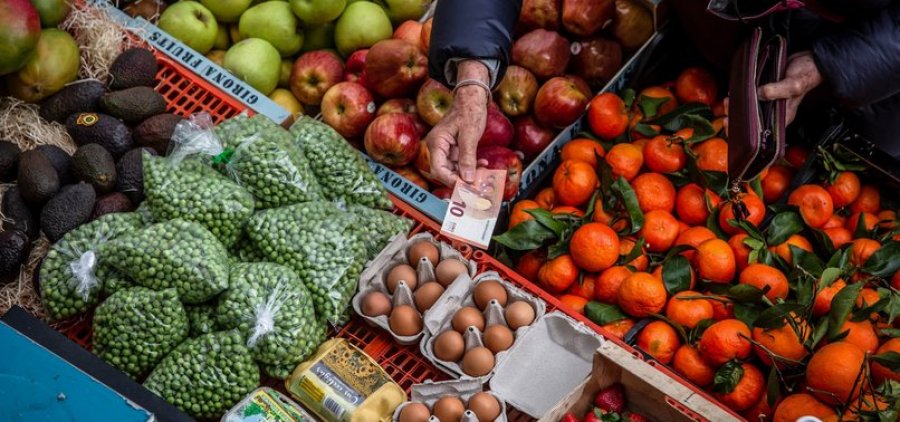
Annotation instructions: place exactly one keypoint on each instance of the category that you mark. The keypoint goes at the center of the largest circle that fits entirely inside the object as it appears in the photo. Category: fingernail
(468, 175)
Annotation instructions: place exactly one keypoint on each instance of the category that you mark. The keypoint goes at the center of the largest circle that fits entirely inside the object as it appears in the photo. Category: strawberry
(611, 399)
(635, 417)
(592, 416)
(569, 417)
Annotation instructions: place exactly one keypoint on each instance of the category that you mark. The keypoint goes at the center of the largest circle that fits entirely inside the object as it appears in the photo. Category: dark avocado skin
(9, 161)
(134, 67)
(111, 203)
(19, 215)
(70, 208)
(130, 174)
(60, 160)
(133, 105)
(102, 129)
(156, 132)
(95, 165)
(37, 178)
(76, 98)
(14, 247)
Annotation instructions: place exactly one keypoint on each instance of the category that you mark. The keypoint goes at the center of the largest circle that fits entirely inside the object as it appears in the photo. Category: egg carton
(437, 323)
(373, 278)
(429, 393)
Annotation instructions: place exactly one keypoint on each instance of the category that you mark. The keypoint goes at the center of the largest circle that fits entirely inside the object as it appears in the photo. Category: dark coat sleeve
(860, 62)
(472, 29)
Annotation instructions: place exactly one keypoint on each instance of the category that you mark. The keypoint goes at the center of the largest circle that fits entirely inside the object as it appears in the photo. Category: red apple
(421, 126)
(433, 101)
(397, 105)
(423, 163)
(597, 60)
(348, 107)
(516, 91)
(540, 14)
(561, 101)
(443, 193)
(586, 17)
(426, 34)
(392, 139)
(497, 158)
(498, 130)
(412, 175)
(531, 138)
(411, 32)
(314, 73)
(356, 67)
(395, 68)
(544, 53)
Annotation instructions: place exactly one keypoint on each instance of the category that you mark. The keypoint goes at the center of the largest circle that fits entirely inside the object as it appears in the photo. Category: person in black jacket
(857, 60)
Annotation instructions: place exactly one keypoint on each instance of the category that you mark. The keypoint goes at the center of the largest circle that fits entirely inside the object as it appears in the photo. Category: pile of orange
(749, 297)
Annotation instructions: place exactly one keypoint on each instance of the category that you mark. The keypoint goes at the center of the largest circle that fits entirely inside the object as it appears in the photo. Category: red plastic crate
(185, 93)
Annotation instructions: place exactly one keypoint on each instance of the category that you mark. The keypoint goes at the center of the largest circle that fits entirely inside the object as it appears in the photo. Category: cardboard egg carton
(430, 392)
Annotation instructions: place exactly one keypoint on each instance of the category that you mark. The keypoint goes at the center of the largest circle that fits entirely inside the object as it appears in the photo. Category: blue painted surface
(37, 385)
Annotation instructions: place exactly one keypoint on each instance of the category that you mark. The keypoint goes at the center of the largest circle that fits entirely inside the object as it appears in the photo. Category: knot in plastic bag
(194, 136)
(83, 271)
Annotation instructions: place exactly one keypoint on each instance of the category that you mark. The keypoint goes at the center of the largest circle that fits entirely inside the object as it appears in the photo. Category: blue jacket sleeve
(472, 29)
(861, 61)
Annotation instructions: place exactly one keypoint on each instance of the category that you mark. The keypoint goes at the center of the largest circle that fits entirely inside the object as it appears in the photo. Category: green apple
(192, 24)
(318, 37)
(227, 10)
(274, 22)
(315, 12)
(284, 78)
(222, 39)
(403, 10)
(52, 11)
(361, 26)
(234, 33)
(256, 62)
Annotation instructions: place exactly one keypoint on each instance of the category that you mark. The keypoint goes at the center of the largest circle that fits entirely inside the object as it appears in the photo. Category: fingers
(782, 90)
(468, 146)
(791, 109)
(440, 141)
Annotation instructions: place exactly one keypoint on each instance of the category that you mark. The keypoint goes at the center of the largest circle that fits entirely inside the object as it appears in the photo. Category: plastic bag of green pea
(201, 318)
(379, 226)
(341, 170)
(72, 274)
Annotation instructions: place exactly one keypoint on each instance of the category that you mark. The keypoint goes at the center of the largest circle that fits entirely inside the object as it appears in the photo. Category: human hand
(802, 76)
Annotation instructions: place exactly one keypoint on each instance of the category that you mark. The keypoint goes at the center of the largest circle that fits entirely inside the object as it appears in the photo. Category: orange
(558, 274)
(834, 222)
(585, 288)
(824, 296)
(619, 328)
(832, 372)
(712, 155)
(660, 340)
(869, 200)
(895, 281)
(776, 182)
(782, 342)
(862, 334)
(861, 250)
(881, 372)
(641, 295)
(546, 198)
(869, 221)
(626, 244)
(663, 154)
(607, 116)
(761, 411)
(690, 364)
(519, 214)
(784, 250)
(660, 230)
(714, 261)
(795, 406)
(887, 219)
(723, 308)
(594, 247)
(756, 211)
(696, 85)
(762, 275)
(748, 390)
(867, 403)
(583, 149)
(844, 190)
(565, 209)
(868, 297)
(625, 160)
(600, 215)
(691, 204)
(693, 237)
(660, 92)
(724, 341)
(574, 182)
(530, 263)
(654, 192)
(796, 155)
(741, 250)
(839, 236)
(688, 312)
(815, 204)
(718, 108)
(575, 303)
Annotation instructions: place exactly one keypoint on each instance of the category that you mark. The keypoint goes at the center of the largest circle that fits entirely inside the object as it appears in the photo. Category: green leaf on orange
(676, 274)
(629, 198)
(526, 236)
(884, 262)
(602, 313)
(727, 377)
(841, 306)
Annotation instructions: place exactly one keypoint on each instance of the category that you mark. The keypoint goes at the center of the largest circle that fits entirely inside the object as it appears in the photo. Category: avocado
(133, 105)
(103, 129)
(93, 164)
(156, 132)
(134, 67)
(75, 98)
(111, 203)
(18, 214)
(130, 174)
(13, 251)
(9, 161)
(38, 181)
(70, 208)
(60, 160)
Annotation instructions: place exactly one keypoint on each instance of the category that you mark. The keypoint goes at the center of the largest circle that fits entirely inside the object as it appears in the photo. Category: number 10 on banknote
(474, 208)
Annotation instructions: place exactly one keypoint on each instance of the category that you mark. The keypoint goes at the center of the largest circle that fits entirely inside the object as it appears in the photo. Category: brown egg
(415, 412)
(467, 317)
(449, 409)
(519, 314)
(485, 407)
(427, 294)
(401, 272)
(447, 271)
(405, 321)
(449, 346)
(498, 338)
(478, 361)
(421, 249)
(487, 291)
(375, 304)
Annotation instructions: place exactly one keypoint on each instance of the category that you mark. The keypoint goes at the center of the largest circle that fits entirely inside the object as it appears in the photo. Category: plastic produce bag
(136, 327)
(70, 278)
(207, 375)
(321, 243)
(342, 172)
(244, 250)
(201, 318)
(173, 254)
(113, 280)
(270, 305)
(379, 227)
(242, 126)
